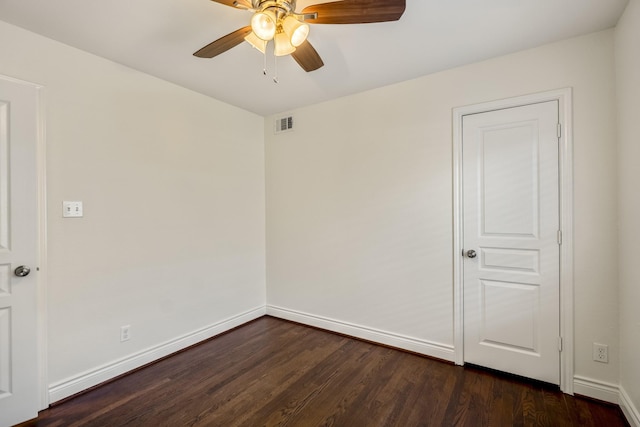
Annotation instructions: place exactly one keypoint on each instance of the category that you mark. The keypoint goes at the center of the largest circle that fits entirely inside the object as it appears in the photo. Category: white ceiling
(158, 37)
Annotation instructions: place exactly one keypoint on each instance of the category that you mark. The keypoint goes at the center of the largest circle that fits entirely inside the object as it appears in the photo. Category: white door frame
(41, 280)
(564, 98)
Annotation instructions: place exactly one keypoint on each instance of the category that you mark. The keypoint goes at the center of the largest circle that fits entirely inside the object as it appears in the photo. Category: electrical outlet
(601, 353)
(125, 333)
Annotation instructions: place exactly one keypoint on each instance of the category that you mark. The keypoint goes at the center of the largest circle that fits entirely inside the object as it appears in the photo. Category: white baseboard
(428, 348)
(88, 379)
(596, 389)
(629, 409)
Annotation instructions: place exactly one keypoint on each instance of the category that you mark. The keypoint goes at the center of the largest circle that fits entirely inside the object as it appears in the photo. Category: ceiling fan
(277, 21)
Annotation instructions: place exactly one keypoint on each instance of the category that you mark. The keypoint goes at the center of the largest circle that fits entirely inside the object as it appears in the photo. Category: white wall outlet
(601, 353)
(125, 333)
(71, 209)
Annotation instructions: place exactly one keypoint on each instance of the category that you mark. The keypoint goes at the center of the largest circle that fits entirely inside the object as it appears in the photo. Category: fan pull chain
(264, 55)
(275, 66)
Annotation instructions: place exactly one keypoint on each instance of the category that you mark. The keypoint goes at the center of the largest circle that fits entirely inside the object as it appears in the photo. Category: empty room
(349, 213)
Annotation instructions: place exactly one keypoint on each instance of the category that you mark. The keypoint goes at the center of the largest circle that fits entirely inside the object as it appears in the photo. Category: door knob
(471, 253)
(22, 271)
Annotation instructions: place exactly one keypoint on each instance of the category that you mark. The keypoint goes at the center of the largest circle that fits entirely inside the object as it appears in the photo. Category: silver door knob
(22, 271)
(471, 253)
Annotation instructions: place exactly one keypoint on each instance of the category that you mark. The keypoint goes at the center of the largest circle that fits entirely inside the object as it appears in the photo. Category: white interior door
(19, 398)
(511, 240)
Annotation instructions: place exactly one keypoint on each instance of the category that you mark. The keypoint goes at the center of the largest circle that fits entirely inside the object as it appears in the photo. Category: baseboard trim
(93, 377)
(427, 348)
(596, 389)
(629, 409)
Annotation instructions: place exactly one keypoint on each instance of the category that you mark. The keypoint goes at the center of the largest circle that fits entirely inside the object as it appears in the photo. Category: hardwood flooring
(272, 372)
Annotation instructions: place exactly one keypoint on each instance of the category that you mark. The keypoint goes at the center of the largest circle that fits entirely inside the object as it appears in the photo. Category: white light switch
(72, 209)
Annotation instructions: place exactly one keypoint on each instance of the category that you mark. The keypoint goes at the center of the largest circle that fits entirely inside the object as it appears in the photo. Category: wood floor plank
(384, 396)
(457, 408)
(436, 385)
(297, 402)
(274, 381)
(348, 392)
(555, 408)
(272, 372)
(503, 404)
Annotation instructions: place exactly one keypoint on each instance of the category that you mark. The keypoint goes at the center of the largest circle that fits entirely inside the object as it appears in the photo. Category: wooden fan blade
(235, 3)
(223, 44)
(307, 57)
(356, 11)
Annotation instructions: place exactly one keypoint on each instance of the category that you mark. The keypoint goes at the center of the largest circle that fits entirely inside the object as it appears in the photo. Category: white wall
(627, 54)
(172, 239)
(359, 199)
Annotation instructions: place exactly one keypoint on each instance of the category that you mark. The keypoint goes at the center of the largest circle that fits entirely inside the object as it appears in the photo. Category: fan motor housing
(281, 7)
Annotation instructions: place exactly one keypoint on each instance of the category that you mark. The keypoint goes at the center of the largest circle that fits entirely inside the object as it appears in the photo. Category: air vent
(284, 124)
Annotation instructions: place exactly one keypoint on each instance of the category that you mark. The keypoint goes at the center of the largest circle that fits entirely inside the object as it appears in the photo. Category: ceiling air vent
(284, 124)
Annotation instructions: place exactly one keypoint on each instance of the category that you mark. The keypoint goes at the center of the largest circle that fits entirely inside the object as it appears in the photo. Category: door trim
(564, 98)
(41, 281)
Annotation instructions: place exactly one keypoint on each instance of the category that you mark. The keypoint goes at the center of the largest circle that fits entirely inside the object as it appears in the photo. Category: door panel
(19, 398)
(510, 259)
(510, 314)
(508, 180)
(511, 220)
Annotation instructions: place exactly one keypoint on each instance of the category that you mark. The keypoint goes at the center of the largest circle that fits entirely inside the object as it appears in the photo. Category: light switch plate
(72, 209)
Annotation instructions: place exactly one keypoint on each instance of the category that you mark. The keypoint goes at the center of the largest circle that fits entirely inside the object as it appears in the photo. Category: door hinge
(560, 344)
(559, 130)
(559, 237)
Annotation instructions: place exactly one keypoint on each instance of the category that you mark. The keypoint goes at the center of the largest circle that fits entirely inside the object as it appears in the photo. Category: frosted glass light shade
(263, 24)
(296, 31)
(282, 45)
(256, 42)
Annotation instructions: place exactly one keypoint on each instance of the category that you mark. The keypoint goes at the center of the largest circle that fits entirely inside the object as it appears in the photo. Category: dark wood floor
(272, 372)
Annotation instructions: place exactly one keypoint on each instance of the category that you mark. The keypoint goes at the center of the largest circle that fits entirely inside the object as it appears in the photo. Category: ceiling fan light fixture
(283, 45)
(296, 31)
(280, 21)
(264, 24)
(256, 42)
